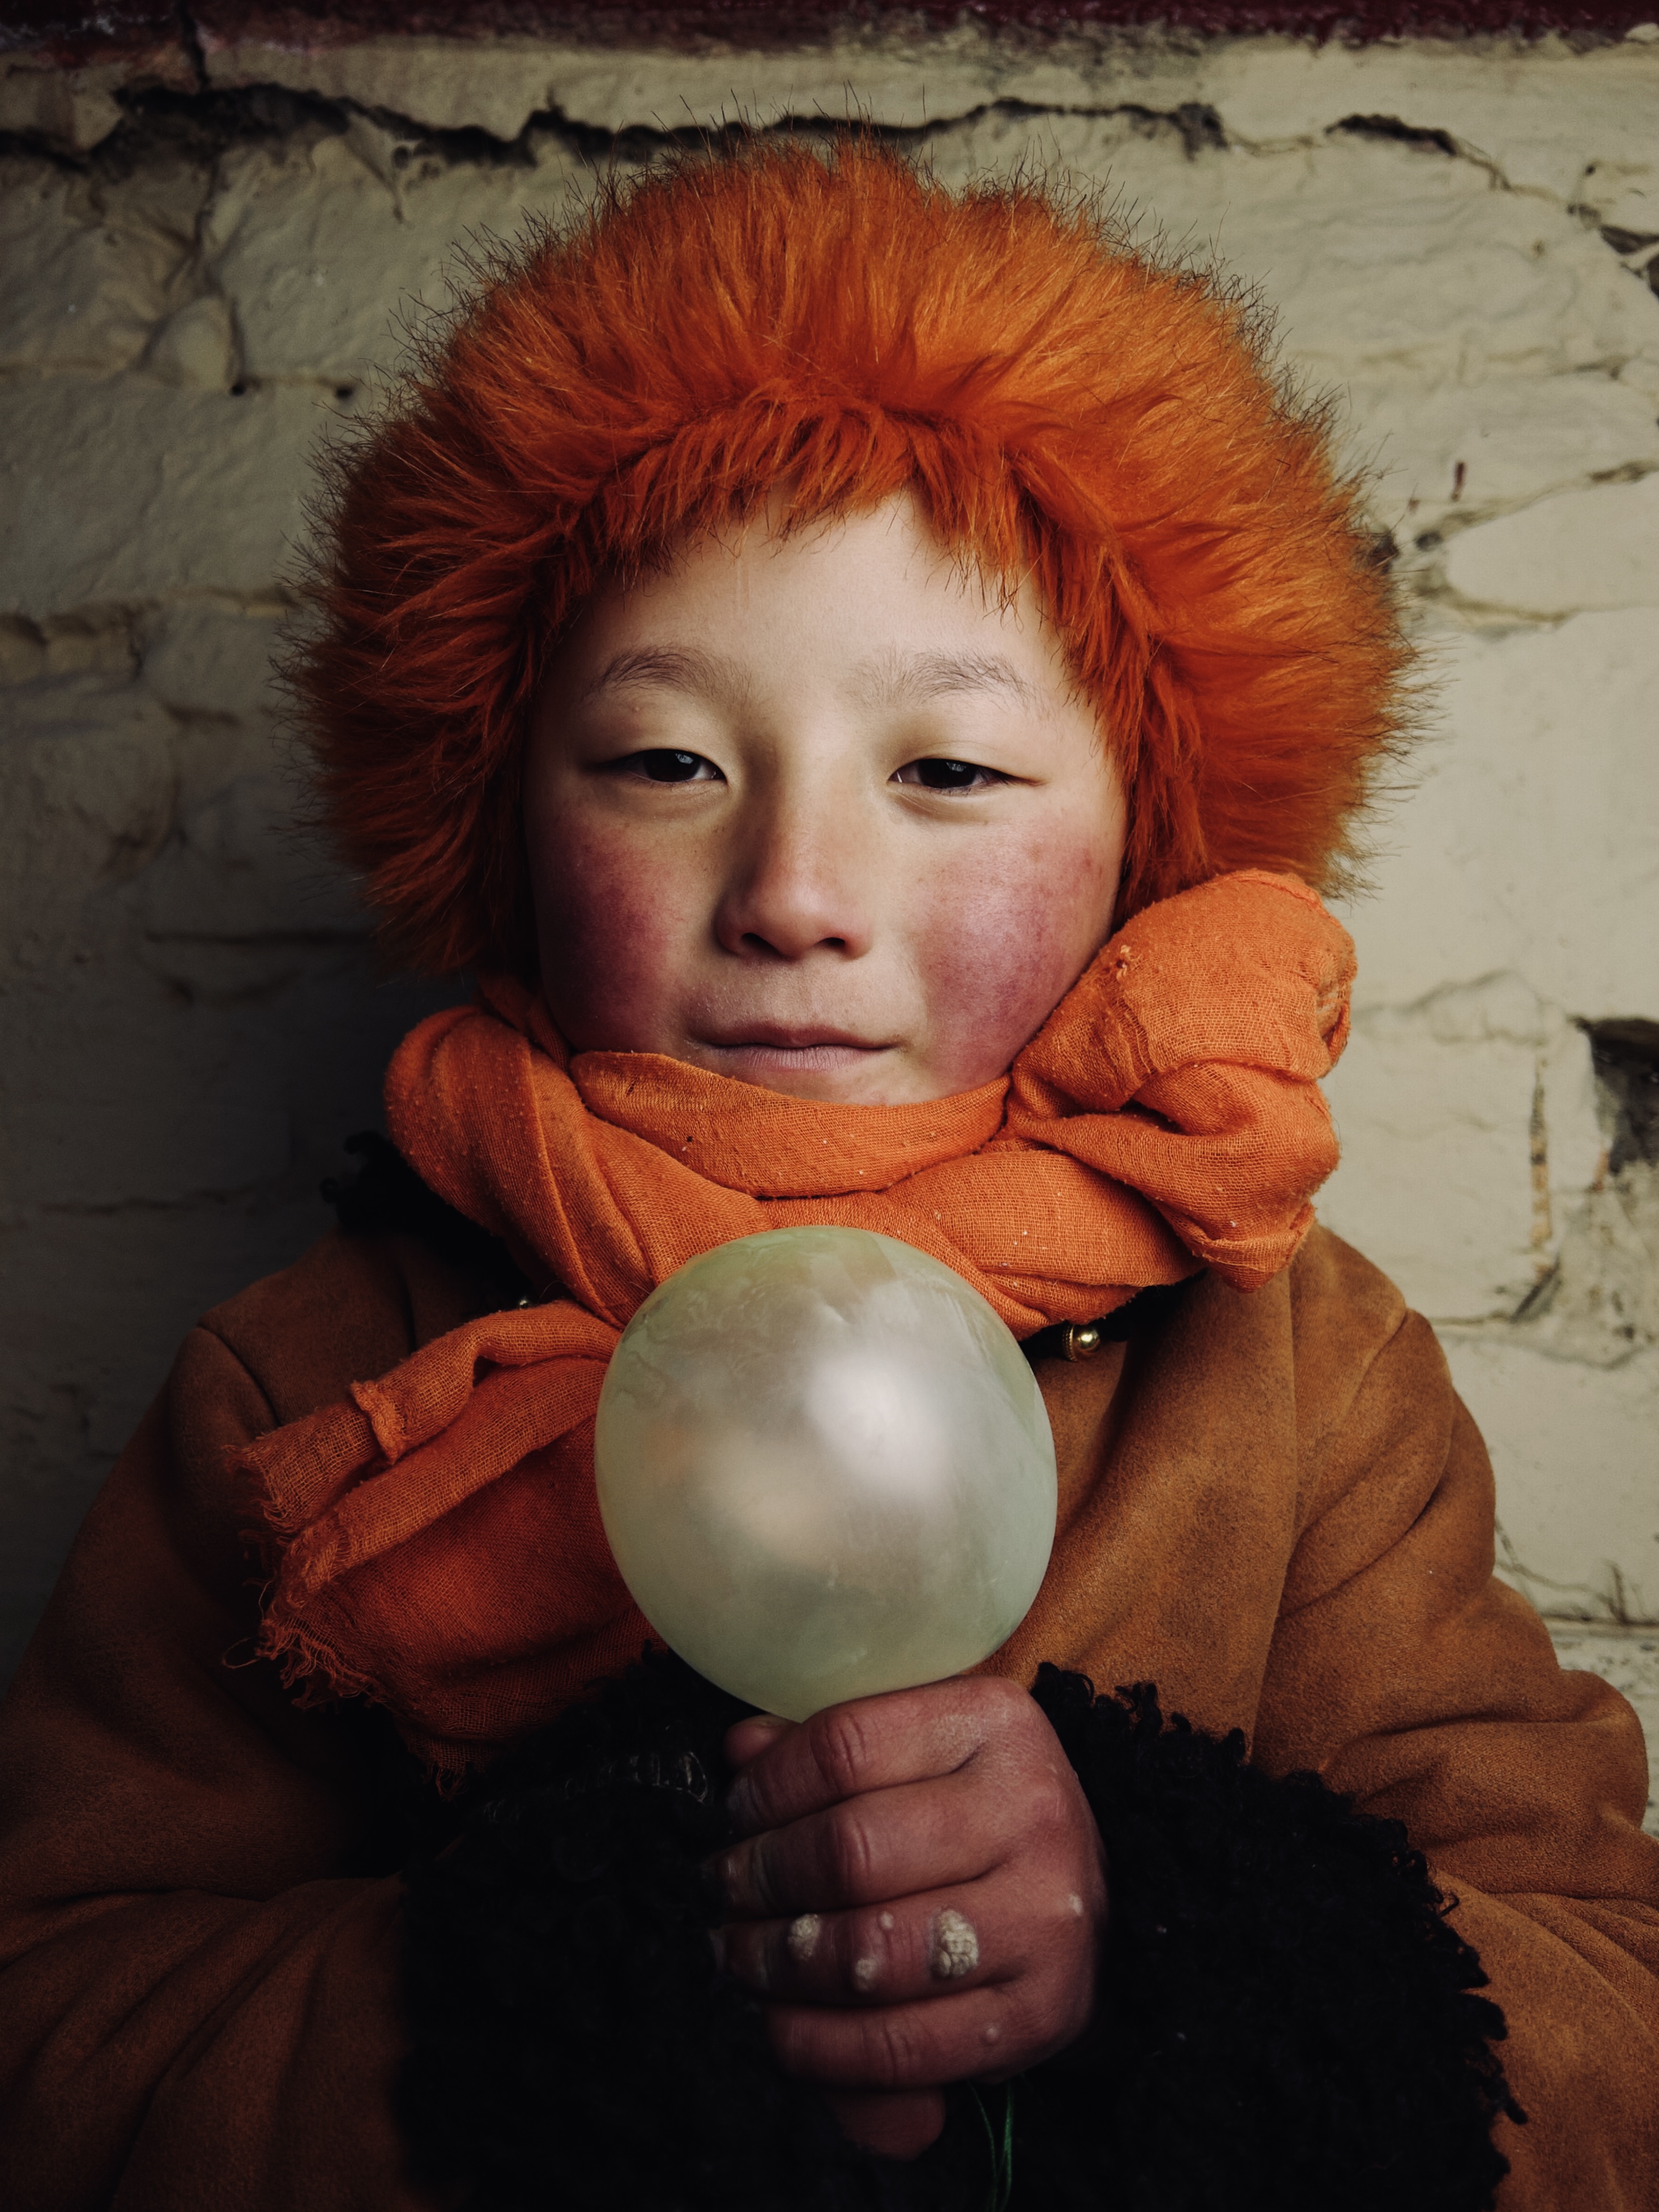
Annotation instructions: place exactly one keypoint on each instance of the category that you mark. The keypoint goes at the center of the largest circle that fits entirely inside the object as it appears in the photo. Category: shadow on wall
(1627, 1057)
(192, 1023)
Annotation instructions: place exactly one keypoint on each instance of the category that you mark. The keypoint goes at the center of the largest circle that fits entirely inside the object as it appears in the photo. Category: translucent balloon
(824, 1468)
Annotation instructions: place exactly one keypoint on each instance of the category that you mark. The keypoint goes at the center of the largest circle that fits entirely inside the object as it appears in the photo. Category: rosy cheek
(1000, 948)
(609, 928)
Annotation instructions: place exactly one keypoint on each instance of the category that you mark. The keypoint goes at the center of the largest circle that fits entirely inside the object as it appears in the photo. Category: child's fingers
(918, 1947)
(890, 1843)
(892, 2123)
(874, 1743)
(978, 2034)
(747, 1739)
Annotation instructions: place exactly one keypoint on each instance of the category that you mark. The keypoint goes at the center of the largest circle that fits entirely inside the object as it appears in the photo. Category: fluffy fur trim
(828, 328)
(1287, 2022)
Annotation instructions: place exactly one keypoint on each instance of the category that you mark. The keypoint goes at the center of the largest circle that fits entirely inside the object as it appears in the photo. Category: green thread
(1002, 2153)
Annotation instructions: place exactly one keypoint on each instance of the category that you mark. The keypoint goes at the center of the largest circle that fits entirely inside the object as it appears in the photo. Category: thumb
(892, 2123)
(746, 1739)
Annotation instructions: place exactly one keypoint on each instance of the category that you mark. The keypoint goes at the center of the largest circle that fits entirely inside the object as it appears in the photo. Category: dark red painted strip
(71, 34)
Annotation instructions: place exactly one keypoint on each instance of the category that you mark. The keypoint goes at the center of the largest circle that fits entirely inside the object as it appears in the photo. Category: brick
(87, 790)
(87, 278)
(1443, 452)
(1443, 1109)
(1527, 846)
(133, 490)
(1575, 1451)
(1561, 556)
(320, 256)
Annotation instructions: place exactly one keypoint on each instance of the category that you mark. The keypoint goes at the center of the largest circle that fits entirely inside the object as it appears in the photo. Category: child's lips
(767, 1045)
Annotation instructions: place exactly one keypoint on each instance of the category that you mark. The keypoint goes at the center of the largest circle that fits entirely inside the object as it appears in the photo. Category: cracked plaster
(192, 1019)
(1582, 549)
(1629, 1659)
(1500, 104)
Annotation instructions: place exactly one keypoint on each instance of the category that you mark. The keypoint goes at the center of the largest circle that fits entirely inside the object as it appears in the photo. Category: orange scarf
(436, 1540)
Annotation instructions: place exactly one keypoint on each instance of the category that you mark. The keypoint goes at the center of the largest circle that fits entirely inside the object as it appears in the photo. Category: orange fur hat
(830, 329)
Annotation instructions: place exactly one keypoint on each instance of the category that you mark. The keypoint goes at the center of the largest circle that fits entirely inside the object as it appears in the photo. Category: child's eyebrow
(911, 679)
(678, 668)
(890, 679)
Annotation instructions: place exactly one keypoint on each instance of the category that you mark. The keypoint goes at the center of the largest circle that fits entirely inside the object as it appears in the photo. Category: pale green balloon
(825, 1468)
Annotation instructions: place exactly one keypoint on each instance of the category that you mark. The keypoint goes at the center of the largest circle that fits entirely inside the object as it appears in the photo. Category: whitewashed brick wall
(1457, 238)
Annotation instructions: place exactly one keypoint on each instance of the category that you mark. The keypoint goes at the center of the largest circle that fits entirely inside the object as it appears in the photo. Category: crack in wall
(1612, 1599)
(1425, 140)
(161, 123)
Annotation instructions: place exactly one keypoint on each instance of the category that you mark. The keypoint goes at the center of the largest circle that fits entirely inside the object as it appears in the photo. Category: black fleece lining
(1287, 2023)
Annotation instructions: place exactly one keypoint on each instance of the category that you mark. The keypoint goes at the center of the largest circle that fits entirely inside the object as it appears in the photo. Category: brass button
(1082, 1339)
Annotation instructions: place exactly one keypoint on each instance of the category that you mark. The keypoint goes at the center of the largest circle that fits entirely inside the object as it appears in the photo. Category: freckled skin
(806, 911)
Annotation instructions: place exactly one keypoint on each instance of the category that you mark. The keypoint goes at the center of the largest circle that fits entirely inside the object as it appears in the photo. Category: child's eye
(660, 765)
(948, 776)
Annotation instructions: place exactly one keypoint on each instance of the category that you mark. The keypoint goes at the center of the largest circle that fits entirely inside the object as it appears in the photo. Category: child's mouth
(775, 1047)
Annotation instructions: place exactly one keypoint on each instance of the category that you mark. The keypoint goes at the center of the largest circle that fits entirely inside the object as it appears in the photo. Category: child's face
(816, 812)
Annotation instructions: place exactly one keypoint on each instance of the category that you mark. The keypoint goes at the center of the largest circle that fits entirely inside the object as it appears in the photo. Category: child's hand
(920, 1900)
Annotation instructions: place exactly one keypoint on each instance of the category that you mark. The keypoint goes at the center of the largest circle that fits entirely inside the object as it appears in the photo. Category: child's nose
(799, 889)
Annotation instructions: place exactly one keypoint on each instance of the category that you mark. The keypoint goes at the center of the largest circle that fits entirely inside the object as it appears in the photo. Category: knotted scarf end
(311, 1670)
(380, 1410)
(315, 1674)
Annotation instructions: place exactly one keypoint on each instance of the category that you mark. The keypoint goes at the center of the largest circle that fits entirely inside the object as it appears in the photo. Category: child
(779, 635)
